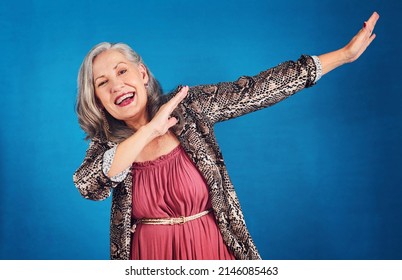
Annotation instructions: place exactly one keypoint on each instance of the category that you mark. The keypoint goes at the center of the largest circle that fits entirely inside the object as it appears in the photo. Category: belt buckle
(182, 220)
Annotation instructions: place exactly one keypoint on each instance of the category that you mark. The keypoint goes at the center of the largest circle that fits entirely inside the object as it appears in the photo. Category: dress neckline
(161, 159)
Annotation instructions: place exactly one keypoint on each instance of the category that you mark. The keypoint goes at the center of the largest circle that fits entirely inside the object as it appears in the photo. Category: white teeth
(123, 97)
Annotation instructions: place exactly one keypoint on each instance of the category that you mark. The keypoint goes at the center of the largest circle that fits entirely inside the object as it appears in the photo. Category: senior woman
(172, 196)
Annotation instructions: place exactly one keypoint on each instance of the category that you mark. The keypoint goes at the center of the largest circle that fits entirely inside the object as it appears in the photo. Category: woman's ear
(144, 73)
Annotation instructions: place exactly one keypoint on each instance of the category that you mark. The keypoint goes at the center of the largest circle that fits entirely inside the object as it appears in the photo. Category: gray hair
(95, 120)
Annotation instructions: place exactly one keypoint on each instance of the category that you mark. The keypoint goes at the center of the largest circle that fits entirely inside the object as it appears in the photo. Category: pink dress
(171, 186)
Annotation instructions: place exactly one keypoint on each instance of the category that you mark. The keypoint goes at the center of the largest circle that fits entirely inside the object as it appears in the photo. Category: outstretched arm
(228, 100)
(353, 49)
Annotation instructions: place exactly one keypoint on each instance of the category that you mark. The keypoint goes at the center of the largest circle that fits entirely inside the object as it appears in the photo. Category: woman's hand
(362, 40)
(128, 150)
(163, 120)
(353, 49)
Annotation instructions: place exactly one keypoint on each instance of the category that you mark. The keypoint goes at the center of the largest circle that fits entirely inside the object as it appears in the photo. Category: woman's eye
(122, 71)
(102, 83)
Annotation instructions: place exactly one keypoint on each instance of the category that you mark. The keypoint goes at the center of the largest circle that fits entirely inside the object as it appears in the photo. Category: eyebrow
(114, 68)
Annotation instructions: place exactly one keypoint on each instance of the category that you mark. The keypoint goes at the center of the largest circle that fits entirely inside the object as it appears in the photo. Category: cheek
(143, 95)
(101, 99)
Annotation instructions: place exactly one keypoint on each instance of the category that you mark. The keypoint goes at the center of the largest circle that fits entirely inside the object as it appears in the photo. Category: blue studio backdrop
(318, 175)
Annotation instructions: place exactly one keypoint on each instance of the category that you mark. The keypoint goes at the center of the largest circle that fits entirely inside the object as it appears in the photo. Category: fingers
(373, 19)
(371, 22)
(172, 104)
(369, 26)
(179, 96)
(366, 35)
(362, 39)
(163, 120)
(171, 122)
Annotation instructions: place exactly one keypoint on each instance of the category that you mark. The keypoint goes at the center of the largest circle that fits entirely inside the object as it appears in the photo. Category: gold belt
(170, 221)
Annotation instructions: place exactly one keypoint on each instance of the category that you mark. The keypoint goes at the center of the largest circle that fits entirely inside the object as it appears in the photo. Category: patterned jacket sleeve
(232, 99)
(89, 178)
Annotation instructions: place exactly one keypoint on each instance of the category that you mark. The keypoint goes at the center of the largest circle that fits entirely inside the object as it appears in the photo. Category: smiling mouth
(124, 98)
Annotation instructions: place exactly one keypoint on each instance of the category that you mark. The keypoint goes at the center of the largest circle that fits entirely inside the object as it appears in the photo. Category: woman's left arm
(223, 101)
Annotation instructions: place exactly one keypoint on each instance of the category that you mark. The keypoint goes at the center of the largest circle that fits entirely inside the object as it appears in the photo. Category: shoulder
(101, 143)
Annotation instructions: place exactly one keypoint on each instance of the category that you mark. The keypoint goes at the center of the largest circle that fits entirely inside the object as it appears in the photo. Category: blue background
(318, 175)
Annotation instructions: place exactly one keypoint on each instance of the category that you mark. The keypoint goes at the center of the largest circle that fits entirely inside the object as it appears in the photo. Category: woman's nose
(116, 85)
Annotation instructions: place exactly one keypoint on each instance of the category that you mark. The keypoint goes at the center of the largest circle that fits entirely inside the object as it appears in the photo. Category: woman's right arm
(89, 178)
(104, 167)
(93, 178)
(128, 150)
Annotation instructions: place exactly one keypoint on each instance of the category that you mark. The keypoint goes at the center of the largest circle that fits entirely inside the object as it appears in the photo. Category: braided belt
(170, 221)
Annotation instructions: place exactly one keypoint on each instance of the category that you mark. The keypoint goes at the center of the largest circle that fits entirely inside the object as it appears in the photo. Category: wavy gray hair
(95, 120)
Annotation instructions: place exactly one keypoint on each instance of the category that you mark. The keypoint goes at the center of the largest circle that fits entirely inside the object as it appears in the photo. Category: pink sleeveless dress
(172, 186)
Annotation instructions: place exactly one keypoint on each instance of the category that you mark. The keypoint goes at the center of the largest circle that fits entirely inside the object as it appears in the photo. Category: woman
(172, 197)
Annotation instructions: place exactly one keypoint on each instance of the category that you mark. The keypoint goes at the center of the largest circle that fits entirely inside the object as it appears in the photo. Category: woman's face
(120, 86)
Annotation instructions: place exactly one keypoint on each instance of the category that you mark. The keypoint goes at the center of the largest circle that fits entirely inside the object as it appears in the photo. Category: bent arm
(89, 178)
(129, 150)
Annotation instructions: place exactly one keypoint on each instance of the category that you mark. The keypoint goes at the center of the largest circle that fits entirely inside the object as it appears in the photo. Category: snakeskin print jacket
(200, 110)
